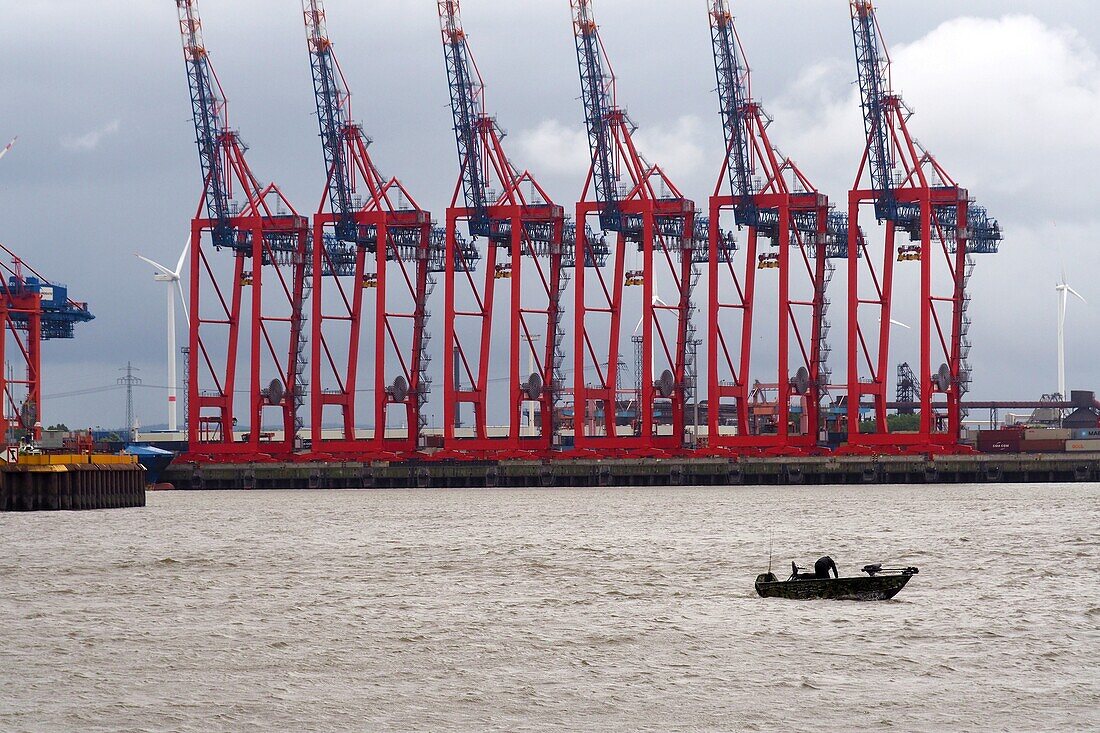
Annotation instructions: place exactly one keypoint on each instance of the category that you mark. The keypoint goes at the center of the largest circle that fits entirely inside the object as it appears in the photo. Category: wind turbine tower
(1064, 291)
(175, 284)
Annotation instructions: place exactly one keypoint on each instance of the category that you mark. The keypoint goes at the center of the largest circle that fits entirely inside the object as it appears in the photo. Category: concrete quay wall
(1014, 468)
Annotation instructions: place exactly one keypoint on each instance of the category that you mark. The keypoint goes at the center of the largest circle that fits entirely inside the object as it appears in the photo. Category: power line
(82, 392)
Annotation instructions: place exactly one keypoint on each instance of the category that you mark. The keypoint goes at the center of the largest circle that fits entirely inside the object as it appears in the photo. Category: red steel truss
(800, 373)
(644, 212)
(787, 234)
(32, 310)
(503, 301)
(21, 387)
(913, 195)
(372, 257)
(246, 315)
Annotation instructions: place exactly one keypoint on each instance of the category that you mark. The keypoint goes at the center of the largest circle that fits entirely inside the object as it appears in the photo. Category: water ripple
(611, 610)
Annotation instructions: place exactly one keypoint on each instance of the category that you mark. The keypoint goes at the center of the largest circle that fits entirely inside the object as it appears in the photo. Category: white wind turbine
(172, 277)
(1064, 291)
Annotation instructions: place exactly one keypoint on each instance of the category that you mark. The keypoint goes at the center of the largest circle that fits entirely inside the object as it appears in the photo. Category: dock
(821, 470)
(71, 482)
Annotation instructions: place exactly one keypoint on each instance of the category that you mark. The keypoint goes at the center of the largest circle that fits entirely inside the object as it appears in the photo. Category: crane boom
(598, 92)
(872, 63)
(873, 67)
(333, 117)
(211, 121)
(734, 95)
(467, 106)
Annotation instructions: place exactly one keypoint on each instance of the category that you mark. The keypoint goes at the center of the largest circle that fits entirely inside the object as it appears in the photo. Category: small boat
(879, 584)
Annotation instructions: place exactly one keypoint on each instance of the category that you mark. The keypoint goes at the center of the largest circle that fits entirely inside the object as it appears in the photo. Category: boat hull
(153, 459)
(871, 588)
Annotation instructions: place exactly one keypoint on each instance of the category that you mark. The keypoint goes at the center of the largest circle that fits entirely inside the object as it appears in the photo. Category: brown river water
(576, 610)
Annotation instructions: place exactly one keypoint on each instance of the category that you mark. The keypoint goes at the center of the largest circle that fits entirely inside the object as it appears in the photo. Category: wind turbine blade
(8, 147)
(183, 302)
(157, 265)
(896, 323)
(183, 257)
(1079, 296)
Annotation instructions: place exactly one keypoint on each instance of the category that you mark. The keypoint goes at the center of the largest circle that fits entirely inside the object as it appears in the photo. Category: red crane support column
(22, 388)
(525, 258)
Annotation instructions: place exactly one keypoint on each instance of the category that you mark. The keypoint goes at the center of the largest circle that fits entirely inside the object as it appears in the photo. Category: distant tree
(895, 423)
(903, 423)
(60, 428)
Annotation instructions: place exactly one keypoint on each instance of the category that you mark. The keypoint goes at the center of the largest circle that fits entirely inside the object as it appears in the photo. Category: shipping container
(1018, 432)
(1048, 434)
(1043, 446)
(1084, 446)
(1086, 433)
(1000, 441)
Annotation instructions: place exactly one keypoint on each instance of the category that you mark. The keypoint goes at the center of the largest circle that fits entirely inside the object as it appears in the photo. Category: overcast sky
(1006, 93)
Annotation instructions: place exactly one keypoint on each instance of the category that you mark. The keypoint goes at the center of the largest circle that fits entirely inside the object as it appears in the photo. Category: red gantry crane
(913, 195)
(489, 340)
(653, 226)
(32, 310)
(792, 234)
(372, 258)
(248, 285)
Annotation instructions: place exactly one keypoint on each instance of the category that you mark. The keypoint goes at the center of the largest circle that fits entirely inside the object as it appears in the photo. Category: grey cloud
(71, 67)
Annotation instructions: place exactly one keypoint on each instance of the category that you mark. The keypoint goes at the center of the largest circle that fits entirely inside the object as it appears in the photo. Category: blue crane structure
(526, 260)
(911, 193)
(651, 223)
(373, 253)
(792, 232)
(248, 315)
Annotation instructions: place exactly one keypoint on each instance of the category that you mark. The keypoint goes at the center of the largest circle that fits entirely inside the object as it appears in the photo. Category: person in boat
(796, 575)
(824, 566)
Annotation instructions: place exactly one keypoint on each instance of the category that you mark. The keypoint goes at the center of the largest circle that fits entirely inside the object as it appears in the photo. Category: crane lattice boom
(468, 108)
(734, 96)
(211, 121)
(334, 118)
(598, 94)
(873, 67)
